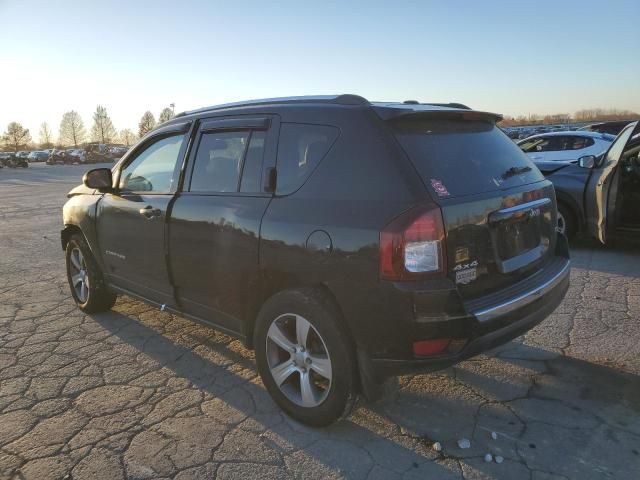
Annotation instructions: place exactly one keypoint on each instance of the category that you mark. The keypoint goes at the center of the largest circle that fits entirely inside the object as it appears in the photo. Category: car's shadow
(488, 394)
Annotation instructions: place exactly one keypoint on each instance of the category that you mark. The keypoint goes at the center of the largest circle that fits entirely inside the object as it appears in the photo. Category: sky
(511, 57)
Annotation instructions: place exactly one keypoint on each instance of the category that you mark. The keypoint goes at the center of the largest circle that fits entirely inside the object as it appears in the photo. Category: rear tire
(566, 221)
(305, 357)
(85, 278)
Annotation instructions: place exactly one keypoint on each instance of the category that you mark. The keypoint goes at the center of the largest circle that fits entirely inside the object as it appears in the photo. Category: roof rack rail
(450, 105)
(344, 99)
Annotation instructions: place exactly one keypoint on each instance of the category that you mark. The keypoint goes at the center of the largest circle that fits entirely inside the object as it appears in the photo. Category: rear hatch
(499, 212)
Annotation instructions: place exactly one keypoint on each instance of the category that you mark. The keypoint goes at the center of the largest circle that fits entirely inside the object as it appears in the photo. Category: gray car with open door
(599, 195)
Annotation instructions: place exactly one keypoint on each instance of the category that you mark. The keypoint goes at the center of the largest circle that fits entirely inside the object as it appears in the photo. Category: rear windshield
(462, 157)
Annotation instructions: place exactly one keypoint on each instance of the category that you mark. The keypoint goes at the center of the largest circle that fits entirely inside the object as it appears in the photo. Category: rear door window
(300, 150)
(219, 162)
(463, 157)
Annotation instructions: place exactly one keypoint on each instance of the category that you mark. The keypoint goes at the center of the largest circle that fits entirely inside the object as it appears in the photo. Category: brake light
(425, 348)
(438, 346)
(412, 246)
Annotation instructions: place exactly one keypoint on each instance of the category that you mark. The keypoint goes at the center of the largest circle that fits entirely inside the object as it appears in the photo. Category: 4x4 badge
(464, 266)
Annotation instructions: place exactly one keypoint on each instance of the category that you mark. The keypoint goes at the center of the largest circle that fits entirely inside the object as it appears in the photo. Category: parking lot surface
(138, 393)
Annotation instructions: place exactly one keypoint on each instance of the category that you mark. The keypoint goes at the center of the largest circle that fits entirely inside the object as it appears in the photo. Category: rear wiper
(515, 171)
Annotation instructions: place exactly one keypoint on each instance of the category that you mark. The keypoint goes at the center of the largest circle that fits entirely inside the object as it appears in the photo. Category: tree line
(587, 115)
(72, 132)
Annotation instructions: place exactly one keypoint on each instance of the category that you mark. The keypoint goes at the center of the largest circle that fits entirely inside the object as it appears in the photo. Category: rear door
(602, 189)
(214, 228)
(131, 222)
(499, 211)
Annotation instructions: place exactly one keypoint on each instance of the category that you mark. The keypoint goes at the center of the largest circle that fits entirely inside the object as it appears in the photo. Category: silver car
(565, 146)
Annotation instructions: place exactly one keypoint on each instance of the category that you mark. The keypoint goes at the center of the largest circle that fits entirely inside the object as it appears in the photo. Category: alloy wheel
(79, 275)
(298, 360)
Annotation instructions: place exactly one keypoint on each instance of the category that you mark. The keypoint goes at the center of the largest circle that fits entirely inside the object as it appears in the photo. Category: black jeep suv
(346, 241)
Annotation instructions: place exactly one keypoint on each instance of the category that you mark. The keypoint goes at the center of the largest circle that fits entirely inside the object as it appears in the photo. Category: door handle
(150, 212)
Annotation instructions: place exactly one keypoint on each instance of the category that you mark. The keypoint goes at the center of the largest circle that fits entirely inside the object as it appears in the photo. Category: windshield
(461, 157)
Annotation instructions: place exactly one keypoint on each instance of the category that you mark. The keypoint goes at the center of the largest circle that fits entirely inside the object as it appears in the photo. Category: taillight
(412, 245)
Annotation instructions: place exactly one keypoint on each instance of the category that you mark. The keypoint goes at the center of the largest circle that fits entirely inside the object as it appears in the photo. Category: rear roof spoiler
(393, 111)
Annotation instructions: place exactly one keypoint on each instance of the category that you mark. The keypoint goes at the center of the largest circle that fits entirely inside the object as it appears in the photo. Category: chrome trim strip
(523, 299)
(508, 212)
(526, 206)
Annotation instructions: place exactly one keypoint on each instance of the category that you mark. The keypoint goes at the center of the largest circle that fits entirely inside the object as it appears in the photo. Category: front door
(602, 188)
(214, 227)
(131, 222)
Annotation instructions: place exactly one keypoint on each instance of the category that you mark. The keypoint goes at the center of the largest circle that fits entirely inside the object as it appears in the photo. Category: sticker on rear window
(439, 188)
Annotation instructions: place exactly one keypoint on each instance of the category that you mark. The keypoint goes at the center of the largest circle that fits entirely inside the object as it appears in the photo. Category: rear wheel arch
(291, 283)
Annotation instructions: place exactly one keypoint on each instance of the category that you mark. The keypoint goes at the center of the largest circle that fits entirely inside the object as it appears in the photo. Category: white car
(565, 146)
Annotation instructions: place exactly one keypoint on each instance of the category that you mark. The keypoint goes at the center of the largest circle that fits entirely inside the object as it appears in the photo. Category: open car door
(602, 187)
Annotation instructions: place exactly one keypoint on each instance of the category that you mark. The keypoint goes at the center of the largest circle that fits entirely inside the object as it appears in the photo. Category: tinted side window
(152, 170)
(541, 144)
(252, 169)
(300, 149)
(580, 142)
(551, 144)
(218, 162)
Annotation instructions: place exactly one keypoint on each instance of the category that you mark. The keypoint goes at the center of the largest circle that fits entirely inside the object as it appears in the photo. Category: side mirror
(98, 178)
(588, 161)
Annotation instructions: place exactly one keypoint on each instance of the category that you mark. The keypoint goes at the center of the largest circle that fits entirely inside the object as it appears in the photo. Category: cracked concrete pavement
(138, 393)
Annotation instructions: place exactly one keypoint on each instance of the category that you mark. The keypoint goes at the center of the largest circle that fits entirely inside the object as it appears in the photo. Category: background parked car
(6, 158)
(96, 153)
(599, 194)
(78, 155)
(56, 157)
(116, 153)
(10, 159)
(565, 146)
(40, 156)
(612, 128)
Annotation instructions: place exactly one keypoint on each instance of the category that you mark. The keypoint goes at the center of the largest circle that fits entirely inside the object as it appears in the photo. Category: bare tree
(127, 136)
(102, 130)
(71, 129)
(147, 122)
(165, 115)
(16, 136)
(46, 138)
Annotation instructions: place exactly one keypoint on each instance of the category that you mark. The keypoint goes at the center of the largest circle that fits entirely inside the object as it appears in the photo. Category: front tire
(305, 357)
(85, 278)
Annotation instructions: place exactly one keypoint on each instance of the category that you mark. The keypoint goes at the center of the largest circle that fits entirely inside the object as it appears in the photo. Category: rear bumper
(493, 324)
